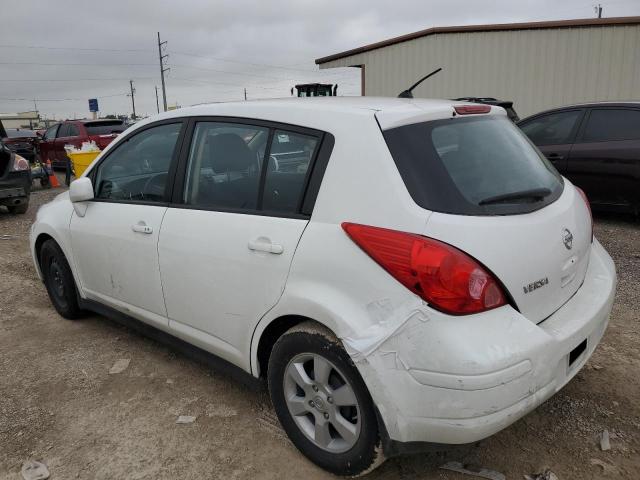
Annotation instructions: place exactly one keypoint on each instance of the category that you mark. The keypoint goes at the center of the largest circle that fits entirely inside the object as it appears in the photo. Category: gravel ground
(60, 405)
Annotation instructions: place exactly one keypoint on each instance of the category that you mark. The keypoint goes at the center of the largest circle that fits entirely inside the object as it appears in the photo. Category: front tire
(59, 281)
(322, 402)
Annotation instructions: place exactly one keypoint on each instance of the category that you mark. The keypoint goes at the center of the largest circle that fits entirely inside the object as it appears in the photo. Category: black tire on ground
(59, 281)
(312, 338)
(19, 208)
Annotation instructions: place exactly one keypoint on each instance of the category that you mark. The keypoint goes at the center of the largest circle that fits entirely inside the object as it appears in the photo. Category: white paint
(434, 377)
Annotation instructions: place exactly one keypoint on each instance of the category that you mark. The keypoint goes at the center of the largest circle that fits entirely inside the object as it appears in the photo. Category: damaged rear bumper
(455, 380)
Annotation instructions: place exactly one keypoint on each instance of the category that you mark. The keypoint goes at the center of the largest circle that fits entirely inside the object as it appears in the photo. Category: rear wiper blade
(535, 194)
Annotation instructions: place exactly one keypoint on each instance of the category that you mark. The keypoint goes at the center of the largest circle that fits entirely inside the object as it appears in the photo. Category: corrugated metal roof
(587, 22)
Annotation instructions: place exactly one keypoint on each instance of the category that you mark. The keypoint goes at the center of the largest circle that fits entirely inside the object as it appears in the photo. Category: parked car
(22, 141)
(506, 104)
(417, 272)
(596, 146)
(74, 132)
(15, 180)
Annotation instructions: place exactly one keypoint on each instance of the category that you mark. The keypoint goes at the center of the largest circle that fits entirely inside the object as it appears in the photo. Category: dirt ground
(59, 404)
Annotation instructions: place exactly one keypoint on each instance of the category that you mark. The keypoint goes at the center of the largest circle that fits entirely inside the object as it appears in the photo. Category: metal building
(537, 65)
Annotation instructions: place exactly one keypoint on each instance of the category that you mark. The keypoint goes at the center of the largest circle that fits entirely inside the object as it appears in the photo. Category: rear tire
(19, 209)
(59, 281)
(333, 421)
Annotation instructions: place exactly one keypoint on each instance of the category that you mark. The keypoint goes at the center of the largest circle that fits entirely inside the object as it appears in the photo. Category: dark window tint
(224, 165)
(612, 124)
(289, 159)
(138, 167)
(104, 128)
(473, 166)
(552, 129)
(51, 133)
(73, 131)
(63, 131)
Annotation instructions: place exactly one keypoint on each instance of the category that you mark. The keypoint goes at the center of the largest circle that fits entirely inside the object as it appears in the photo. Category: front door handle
(142, 227)
(555, 156)
(263, 244)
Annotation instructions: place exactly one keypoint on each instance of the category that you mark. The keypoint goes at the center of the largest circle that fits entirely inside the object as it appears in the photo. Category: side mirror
(80, 191)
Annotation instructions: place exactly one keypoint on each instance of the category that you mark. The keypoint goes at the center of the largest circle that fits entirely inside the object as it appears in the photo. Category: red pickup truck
(74, 132)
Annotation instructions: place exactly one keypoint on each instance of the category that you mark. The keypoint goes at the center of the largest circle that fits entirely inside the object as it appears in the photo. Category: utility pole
(245, 93)
(133, 101)
(598, 9)
(162, 70)
(157, 102)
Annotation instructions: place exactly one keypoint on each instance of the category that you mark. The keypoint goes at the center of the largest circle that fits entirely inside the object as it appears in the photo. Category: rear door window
(224, 165)
(552, 129)
(73, 131)
(609, 125)
(473, 166)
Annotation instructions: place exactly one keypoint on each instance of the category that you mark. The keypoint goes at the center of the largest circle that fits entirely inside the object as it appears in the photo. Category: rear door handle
(555, 156)
(263, 244)
(142, 227)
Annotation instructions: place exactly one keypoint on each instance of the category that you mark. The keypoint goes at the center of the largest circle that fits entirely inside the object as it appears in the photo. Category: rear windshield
(473, 166)
(105, 128)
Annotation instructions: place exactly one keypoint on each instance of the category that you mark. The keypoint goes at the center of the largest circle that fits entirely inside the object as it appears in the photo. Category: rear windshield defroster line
(454, 165)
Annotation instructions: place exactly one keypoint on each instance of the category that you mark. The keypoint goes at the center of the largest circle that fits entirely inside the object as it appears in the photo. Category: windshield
(473, 166)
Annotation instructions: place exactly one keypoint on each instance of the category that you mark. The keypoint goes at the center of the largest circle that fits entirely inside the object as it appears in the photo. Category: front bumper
(456, 380)
(15, 188)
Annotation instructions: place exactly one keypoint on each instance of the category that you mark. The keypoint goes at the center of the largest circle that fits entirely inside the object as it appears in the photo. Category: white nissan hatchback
(398, 270)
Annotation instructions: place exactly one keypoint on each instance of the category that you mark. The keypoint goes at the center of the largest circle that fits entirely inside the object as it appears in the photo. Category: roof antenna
(408, 94)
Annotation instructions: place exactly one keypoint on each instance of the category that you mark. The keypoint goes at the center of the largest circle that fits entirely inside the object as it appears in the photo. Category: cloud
(216, 48)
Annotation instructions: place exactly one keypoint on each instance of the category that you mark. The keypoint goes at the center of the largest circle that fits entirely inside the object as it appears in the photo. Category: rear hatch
(496, 197)
(103, 132)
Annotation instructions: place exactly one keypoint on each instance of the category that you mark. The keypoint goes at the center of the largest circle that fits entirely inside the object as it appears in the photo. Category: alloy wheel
(322, 402)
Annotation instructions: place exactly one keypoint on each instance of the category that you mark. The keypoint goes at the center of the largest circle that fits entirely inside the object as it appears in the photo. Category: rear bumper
(15, 188)
(456, 380)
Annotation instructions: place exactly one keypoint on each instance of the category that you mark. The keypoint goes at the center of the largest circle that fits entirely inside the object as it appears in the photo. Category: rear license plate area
(577, 352)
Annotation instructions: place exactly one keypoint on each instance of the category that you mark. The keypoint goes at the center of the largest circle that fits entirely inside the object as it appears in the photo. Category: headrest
(228, 153)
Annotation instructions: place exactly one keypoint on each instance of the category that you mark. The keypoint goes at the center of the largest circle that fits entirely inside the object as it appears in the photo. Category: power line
(41, 64)
(77, 48)
(72, 79)
(60, 99)
(195, 55)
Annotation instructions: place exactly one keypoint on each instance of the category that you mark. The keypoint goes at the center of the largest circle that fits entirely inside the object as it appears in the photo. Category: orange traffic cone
(53, 180)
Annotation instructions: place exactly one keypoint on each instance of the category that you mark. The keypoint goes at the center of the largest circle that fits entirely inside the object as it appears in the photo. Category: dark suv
(596, 146)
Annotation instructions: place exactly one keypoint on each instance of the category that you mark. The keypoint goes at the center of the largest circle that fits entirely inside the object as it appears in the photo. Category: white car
(398, 270)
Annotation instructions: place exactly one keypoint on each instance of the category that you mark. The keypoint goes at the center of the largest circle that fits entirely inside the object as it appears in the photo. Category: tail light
(20, 163)
(586, 201)
(447, 278)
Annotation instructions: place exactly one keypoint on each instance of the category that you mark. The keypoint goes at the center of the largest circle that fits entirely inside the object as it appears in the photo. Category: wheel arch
(40, 235)
(268, 336)
(37, 247)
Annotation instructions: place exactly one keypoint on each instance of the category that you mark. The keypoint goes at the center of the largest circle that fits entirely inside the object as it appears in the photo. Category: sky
(61, 53)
